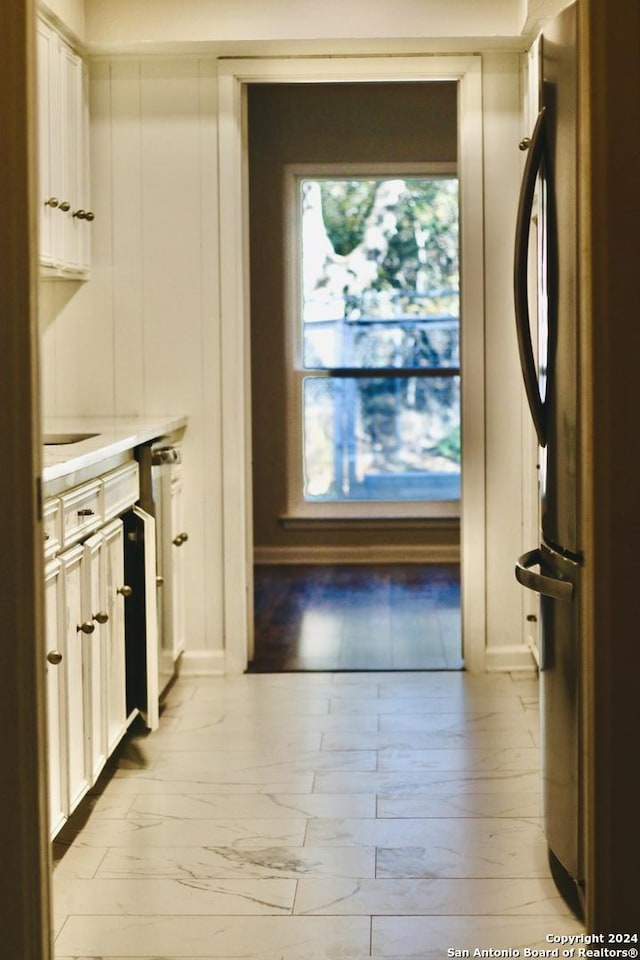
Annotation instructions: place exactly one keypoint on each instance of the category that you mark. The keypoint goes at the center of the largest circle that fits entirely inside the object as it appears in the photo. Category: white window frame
(234, 76)
(297, 506)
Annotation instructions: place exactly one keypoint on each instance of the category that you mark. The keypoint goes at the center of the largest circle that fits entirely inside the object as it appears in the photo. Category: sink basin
(60, 439)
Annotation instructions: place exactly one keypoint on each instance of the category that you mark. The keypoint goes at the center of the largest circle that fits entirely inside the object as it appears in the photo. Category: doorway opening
(356, 373)
(251, 416)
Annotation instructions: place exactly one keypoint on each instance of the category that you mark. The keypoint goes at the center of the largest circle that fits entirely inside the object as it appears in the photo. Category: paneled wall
(141, 337)
(508, 468)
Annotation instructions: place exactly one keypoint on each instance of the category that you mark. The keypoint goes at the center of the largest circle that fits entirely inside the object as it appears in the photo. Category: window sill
(334, 521)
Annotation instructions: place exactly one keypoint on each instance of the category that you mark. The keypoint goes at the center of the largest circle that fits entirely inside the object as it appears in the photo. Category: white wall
(143, 21)
(70, 13)
(507, 474)
(141, 337)
(537, 12)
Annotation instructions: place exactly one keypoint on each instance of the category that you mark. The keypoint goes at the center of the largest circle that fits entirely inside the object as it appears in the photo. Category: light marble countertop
(108, 436)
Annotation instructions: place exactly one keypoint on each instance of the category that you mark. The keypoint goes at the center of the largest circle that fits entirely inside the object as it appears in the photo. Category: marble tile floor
(314, 817)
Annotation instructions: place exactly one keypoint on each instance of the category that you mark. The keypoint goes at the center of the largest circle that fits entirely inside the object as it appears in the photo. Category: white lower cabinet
(56, 697)
(76, 637)
(95, 619)
(171, 536)
(86, 657)
(114, 591)
(103, 609)
(178, 538)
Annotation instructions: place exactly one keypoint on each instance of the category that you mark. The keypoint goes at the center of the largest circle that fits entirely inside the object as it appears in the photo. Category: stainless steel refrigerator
(550, 371)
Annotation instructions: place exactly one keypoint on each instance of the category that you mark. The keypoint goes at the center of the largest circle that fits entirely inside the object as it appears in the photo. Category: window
(374, 351)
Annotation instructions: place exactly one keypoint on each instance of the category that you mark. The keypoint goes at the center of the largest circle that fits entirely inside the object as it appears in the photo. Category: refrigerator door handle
(540, 582)
(535, 151)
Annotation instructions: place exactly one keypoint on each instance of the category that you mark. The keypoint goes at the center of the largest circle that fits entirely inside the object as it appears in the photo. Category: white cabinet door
(172, 537)
(178, 539)
(104, 591)
(114, 591)
(75, 252)
(77, 634)
(94, 612)
(56, 698)
(65, 217)
(164, 580)
(49, 108)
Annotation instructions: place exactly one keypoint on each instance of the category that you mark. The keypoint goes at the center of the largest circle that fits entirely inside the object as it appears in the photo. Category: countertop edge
(114, 435)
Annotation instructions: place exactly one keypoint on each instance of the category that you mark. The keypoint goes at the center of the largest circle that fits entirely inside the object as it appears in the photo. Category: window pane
(380, 273)
(381, 439)
(388, 343)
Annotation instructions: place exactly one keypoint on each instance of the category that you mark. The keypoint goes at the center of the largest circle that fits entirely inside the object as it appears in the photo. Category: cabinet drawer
(120, 490)
(52, 523)
(81, 511)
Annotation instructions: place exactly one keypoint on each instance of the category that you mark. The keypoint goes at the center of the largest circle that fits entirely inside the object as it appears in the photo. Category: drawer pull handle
(180, 539)
(54, 657)
(101, 616)
(86, 512)
(86, 627)
(125, 591)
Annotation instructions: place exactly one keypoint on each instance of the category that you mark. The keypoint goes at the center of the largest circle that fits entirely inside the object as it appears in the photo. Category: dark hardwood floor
(357, 617)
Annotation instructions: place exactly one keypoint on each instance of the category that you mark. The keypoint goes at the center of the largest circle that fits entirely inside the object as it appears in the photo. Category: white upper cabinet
(65, 213)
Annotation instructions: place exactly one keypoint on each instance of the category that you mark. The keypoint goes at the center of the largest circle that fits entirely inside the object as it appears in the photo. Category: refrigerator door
(558, 584)
(558, 252)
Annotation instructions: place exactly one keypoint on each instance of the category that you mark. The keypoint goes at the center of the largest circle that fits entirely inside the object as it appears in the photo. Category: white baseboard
(510, 659)
(507, 659)
(202, 663)
(385, 553)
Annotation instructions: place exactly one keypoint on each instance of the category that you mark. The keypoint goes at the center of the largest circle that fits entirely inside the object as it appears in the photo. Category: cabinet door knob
(54, 657)
(101, 616)
(180, 539)
(65, 206)
(125, 591)
(86, 512)
(81, 215)
(86, 627)
(159, 581)
(90, 216)
(51, 202)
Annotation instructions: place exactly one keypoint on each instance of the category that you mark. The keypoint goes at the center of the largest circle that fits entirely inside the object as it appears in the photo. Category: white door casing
(233, 79)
